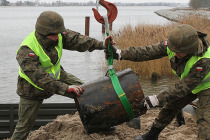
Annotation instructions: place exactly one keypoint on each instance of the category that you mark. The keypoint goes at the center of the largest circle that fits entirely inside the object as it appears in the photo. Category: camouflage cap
(49, 22)
(183, 39)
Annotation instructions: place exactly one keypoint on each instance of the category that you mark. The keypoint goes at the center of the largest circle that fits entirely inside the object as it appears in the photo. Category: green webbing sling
(115, 82)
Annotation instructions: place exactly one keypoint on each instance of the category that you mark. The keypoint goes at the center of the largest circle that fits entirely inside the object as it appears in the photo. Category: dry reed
(143, 35)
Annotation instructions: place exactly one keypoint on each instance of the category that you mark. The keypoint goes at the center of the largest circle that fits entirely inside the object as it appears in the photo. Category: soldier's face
(53, 37)
(52, 40)
(180, 55)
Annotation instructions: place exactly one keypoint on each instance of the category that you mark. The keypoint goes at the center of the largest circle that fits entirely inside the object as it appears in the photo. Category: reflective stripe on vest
(205, 84)
(33, 44)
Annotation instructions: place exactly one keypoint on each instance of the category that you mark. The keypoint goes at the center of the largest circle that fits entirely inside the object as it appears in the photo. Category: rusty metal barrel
(100, 108)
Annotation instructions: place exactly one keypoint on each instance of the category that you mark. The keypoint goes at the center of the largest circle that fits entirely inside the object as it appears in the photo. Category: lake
(17, 22)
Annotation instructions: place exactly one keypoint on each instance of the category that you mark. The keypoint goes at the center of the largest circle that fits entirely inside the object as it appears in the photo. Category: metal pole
(87, 25)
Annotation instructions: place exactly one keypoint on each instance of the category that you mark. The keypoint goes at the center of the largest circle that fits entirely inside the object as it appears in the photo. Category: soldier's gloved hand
(111, 41)
(116, 52)
(149, 102)
(77, 90)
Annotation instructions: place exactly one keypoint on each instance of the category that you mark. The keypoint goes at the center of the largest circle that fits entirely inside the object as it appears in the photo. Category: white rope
(110, 67)
(97, 4)
(106, 24)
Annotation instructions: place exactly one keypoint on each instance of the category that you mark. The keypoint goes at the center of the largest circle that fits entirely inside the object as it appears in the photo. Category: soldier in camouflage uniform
(189, 54)
(40, 72)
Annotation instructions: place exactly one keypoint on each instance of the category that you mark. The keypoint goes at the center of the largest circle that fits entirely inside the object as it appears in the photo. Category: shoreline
(177, 14)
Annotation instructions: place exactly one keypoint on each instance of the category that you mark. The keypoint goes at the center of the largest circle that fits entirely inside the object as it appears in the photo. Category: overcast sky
(123, 1)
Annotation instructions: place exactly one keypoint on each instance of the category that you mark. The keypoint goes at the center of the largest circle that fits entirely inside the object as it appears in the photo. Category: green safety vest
(206, 81)
(33, 44)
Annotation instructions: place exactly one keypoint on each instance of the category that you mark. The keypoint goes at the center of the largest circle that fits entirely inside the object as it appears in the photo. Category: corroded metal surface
(100, 108)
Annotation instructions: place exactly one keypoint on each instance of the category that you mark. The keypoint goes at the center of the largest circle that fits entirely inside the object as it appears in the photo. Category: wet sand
(69, 127)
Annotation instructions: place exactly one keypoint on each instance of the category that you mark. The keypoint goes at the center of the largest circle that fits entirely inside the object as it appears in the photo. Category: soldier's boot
(151, 135)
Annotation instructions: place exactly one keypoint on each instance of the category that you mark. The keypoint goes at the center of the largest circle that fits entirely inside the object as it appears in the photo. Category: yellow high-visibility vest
(33, 44)
(205, 84)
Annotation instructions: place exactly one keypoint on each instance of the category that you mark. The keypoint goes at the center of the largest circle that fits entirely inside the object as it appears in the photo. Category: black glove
(141, 108)
(116, 52)
(147, 103)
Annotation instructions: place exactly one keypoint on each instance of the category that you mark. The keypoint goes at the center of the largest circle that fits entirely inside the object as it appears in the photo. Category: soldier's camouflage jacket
(31, 66)
(156, 51)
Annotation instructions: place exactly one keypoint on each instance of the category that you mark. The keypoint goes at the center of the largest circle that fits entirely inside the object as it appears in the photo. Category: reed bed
(143, 35)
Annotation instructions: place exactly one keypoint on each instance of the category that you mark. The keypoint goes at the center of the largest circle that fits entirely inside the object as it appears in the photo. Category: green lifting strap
(116, 84)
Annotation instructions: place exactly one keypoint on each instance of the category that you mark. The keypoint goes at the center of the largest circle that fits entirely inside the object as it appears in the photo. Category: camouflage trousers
(29, 109)
(170, 110)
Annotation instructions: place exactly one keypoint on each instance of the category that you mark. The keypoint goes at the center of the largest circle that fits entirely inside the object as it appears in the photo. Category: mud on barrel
(100, 108)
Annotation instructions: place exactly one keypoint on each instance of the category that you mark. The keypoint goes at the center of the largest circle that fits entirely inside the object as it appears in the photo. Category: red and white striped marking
(31, 54)
(199, 69)
(165, 43)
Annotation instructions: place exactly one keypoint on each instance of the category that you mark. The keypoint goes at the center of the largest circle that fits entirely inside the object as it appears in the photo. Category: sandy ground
(176, 14)
(69, 127)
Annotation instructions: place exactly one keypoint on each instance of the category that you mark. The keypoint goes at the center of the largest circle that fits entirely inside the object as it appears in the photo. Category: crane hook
(111, 12)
